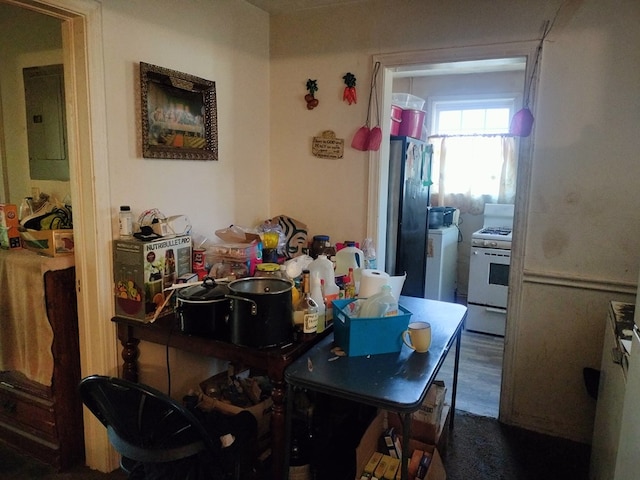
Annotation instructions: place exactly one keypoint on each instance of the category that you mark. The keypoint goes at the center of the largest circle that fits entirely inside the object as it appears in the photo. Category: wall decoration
(350, 96)
(312, 101)
(179, 115)
(328, 146)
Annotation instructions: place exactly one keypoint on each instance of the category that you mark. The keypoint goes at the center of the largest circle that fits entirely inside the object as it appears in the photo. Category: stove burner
(496, 231)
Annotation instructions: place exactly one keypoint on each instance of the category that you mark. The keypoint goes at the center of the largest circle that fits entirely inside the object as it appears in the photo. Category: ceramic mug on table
(418, 336)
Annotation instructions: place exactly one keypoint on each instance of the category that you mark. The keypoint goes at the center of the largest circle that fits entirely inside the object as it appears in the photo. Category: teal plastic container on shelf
(368, 336)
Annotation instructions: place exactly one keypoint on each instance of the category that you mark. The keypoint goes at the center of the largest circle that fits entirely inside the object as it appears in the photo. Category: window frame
(438, 104)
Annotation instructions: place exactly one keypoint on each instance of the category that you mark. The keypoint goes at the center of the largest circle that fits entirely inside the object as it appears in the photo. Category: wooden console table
(271, 360)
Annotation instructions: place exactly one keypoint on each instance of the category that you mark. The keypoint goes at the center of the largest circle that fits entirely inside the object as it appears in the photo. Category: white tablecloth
(26, 335)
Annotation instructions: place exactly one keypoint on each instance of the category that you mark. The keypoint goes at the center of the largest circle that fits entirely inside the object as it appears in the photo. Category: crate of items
(142, 270)
(375, 460)
(231, 393)
(49, 242)
(367, 336)
(236, 260)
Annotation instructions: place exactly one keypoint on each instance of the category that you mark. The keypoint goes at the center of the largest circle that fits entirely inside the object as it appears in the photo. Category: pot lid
(209, 290)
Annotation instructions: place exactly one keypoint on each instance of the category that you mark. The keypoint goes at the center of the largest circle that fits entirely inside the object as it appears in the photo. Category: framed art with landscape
(179, 115)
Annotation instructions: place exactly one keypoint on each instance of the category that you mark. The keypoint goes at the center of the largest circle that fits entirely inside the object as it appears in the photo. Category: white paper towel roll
(371, 281)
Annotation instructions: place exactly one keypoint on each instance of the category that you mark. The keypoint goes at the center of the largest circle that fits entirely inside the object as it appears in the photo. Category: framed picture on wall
(179, 115)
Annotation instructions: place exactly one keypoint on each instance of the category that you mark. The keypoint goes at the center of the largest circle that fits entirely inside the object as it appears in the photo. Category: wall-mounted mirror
(46, 122)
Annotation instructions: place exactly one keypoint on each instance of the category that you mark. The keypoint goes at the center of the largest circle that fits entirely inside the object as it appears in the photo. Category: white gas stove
(497, 227)
(489, 271)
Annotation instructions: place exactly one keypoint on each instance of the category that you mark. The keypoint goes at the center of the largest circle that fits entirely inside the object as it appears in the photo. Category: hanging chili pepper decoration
(349, 94)
(312, 101)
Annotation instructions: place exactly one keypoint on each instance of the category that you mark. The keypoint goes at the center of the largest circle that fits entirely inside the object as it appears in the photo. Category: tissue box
(368, 336)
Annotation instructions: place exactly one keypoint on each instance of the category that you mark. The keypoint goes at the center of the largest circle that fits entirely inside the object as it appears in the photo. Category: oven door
(489, 276)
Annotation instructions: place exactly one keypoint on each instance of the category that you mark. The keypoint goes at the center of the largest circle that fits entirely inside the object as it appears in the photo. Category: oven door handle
(496, 310)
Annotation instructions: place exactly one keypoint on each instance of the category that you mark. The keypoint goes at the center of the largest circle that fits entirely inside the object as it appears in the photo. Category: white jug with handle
(349, 257)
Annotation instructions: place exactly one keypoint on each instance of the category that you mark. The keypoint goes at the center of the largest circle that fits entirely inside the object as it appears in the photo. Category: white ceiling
(274, 7)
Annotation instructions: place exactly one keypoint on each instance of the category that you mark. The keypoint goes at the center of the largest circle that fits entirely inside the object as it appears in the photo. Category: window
(472, 116)
(473, 154)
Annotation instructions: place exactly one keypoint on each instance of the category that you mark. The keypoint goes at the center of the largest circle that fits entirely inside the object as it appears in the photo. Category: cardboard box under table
(368, 447)
(368, 336)
(261, 410)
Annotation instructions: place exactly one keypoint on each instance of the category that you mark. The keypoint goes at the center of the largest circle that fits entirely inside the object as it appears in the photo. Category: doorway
(89, 184)
(487, 57)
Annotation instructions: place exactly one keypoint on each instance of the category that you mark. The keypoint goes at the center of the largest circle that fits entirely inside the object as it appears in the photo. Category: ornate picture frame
(178, 114)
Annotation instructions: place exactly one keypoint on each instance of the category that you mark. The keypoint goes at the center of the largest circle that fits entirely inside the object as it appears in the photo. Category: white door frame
(89, 183)
(379, 166)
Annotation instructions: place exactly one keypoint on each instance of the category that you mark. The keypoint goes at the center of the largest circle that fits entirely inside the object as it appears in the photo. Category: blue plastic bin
(368, 336)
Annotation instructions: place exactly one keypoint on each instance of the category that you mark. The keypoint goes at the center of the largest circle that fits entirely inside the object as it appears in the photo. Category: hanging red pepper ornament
(349, 94)
(312, 101)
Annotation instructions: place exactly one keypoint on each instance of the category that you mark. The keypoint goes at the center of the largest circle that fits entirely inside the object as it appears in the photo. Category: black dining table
(396, 382)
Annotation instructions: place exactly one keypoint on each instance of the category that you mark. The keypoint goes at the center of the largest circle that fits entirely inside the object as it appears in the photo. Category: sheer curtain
(471, 170)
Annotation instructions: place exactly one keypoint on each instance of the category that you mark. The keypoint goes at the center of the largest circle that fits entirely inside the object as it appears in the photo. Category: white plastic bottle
(349, 257)
(324, 267)
(125, 221)
(381, 304)
(316, 294)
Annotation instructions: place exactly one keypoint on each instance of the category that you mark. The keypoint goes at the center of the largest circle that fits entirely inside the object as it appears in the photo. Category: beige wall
(27, 39)
(226, 42)
(579, 238)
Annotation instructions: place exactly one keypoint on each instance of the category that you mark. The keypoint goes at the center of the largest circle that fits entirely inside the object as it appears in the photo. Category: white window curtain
(471, 170)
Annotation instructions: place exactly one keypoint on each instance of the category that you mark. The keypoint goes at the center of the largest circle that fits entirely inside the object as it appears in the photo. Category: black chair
(156, 436)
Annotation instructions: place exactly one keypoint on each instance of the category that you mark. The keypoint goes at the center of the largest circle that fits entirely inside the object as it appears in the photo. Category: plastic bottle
(125, 220)
(305, 313)
(316, 295)
(381, 304)
(324, 267)
(369, 252)
(349, 257)
(350, 285)
(26, 208)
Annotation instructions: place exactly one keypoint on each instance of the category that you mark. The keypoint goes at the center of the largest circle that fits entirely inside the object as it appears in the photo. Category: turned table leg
(130, 354)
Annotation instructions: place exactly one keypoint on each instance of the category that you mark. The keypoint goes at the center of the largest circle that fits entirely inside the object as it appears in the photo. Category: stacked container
(407, 115)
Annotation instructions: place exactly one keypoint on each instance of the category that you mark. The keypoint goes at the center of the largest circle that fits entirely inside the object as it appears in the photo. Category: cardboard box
(142, 270)
(49, 242)
(261, 411)
(430, 433)
(9, 234)
(369, 442)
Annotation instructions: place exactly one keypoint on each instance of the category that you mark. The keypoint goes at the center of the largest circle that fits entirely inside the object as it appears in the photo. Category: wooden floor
(479, 373)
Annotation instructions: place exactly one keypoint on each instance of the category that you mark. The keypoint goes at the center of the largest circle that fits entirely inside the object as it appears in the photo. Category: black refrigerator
(407, 212)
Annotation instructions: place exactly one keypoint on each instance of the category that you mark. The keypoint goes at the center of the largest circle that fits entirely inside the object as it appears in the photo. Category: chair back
(144, 424)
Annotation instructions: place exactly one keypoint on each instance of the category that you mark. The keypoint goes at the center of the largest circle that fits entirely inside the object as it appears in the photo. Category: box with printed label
(143, 270)
(9, 234)
(52, 243)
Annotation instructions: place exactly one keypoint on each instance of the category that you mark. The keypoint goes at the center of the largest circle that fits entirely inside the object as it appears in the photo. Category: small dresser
(40, 409)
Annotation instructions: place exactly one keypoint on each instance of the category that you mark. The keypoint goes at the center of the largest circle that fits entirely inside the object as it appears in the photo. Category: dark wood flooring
(479, 374)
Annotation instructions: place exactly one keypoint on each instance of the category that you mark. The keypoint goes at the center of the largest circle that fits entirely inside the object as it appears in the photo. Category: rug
(481, 448)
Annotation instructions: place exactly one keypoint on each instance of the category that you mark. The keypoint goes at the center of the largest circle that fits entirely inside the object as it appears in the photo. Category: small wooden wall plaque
(328, 146)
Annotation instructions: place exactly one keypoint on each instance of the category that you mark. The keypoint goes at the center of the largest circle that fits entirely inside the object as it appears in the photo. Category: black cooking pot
(261, 312)
(204, 309)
